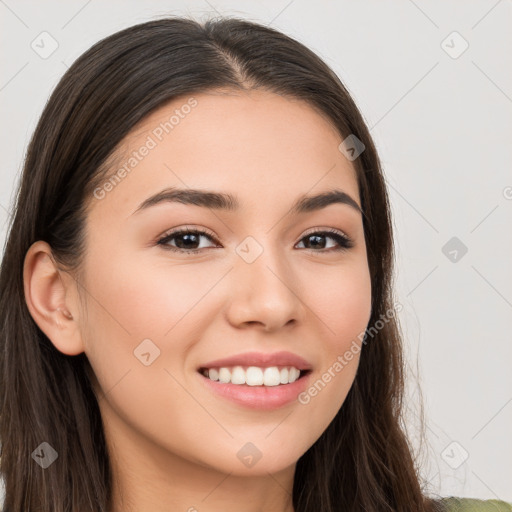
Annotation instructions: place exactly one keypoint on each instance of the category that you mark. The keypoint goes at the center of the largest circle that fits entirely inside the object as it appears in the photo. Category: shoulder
(454, 504)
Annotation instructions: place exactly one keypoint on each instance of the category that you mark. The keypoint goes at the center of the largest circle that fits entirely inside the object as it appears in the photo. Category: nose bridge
(264, 286)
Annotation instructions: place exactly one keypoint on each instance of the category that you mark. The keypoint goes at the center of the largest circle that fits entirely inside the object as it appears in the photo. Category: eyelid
(325, 230)
(175, 231)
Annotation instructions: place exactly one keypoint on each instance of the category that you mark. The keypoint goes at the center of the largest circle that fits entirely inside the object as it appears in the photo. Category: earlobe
(47, 294)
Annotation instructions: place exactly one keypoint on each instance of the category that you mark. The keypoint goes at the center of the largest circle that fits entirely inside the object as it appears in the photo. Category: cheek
(136, 309)
(341, 299)
(341, 302)
(149, 298)
(131, 301)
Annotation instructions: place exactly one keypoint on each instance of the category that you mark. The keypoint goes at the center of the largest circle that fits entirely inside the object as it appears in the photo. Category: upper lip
(261, 359)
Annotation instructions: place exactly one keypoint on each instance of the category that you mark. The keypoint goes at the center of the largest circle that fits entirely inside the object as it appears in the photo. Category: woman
(196, 300)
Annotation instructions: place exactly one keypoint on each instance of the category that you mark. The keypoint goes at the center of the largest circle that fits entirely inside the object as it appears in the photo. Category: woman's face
(257, 282)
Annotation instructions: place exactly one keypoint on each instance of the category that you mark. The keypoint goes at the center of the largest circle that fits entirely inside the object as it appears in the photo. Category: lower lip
(258, 397)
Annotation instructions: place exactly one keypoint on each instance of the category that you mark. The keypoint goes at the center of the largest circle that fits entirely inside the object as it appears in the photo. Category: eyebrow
(228, 202)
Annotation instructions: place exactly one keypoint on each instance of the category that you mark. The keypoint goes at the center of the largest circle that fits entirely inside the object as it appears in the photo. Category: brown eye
(186, 240)
(316, 241)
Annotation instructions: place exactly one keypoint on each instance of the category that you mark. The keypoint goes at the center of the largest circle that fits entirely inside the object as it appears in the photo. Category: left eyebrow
(228, 202)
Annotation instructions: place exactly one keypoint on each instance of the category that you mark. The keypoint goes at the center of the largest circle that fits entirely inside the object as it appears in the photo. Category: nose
(263, 294)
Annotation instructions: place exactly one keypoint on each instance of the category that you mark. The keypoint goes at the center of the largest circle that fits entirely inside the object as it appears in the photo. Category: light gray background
(442, 126)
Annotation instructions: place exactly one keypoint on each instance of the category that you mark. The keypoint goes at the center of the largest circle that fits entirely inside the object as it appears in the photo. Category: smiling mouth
(254, 376)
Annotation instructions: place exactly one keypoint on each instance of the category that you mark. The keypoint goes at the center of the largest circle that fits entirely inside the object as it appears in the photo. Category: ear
(51, 297)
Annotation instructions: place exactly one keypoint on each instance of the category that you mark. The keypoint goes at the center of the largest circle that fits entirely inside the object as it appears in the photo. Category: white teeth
(238, 375)
(271, 377)
(294, 374)
(254, 376)
(224, 375)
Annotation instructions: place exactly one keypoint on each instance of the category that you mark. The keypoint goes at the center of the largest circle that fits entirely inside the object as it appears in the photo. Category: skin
(174, 443)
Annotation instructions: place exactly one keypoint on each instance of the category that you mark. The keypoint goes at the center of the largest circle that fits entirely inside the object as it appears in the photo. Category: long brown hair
(363, 460)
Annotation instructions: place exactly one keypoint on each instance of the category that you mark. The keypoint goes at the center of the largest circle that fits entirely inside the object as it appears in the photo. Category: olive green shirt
(474, 505)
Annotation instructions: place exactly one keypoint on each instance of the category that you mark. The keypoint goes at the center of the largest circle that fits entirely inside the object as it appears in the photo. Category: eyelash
(343, 240)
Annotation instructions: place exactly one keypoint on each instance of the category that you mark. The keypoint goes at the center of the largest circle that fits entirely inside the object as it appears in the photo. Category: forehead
(254, 144)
